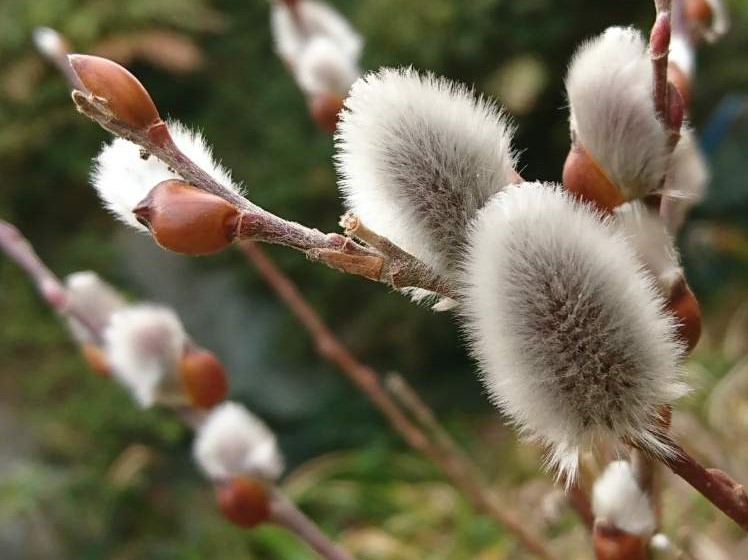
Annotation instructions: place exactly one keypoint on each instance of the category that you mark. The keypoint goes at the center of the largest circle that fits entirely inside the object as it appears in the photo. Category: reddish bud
(244, 502)
(325, 109)
(659, 39)
(126, 97)
(683, 304)
(583, 177)
(699, 12)
(96, 359)
(613, 544)
(187, 220)
(203, 377)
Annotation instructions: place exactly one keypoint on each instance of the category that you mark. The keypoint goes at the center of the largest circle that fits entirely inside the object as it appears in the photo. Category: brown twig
(367, 380)
(715, 485)
(286, 514)
(395, 268)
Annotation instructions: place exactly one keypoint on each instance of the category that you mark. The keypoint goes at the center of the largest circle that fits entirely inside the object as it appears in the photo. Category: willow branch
(394, 267)
(715, 485)
(454, 466)
(286, 514)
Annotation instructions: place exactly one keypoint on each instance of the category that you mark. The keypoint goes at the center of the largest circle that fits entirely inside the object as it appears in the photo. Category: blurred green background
(84, 474)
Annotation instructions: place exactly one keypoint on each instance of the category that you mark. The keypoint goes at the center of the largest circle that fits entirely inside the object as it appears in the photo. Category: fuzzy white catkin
(320, 47)
(48, 42)
(569, 331)
(687, 178)
(418, 156)
(92, 298)
(609, 87)
(144, 344)
(649, 237)
(618, 500)
(123, 178)
(233, 442)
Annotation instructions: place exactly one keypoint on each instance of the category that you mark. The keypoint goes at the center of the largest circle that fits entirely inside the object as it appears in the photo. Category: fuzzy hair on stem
(315, 19)
(92, 298)
(618, 500)
(233, 442)
(417, 157)
(609, 88)
(123, 175)
(144, 344)
(570, 332)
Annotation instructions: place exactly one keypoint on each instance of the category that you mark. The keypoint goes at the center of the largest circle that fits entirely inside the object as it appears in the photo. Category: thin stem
(456, 468)
(715, 485)
(284, 513)
(396, 268)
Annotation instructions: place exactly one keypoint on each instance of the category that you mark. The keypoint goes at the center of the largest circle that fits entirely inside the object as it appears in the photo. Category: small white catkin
(318, 20)
(48, 42)
(320, 47)
(618, 500)
(233, 442)
(654, 245)
(570, 332)
(144, 344)
(609, 87)
(687, 178)
(93, 298)
(123, 178)
(418, 156)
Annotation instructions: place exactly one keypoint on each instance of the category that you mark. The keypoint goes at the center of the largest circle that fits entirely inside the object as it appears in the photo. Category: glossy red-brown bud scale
(244, 502)
(583, 177)
(325, 110)
(187, 220)
(96, 359)
(613, 544)
(126, 97)
(685, 307)
(699, 12)
(203, 377)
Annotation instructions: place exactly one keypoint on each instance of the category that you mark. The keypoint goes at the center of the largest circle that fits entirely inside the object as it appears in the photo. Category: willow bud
(186, 220)
(683, 304)
(613, 544)
(583, 178)
(204, 378)
(126, 97)
(96, 359)
(325, 110)
(244, 502)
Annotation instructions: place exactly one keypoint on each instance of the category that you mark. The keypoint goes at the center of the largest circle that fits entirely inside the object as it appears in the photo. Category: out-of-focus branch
(455, 465)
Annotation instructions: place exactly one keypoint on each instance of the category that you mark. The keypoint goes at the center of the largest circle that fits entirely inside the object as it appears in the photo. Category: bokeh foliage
(84, 474)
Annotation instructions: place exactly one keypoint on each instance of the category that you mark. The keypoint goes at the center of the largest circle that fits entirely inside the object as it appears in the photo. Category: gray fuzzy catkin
(417, 157)
(569, 330)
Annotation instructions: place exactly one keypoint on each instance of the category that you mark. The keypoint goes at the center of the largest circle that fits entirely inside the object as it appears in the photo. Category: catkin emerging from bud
(417, 157)
(609, 86)
(569, 330)
(94, 299)
(233, 442)
(144, 346)
(123, 175)
(618, 500)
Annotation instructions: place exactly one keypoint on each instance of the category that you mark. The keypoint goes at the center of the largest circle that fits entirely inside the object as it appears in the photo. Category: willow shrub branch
(110, 104)
(456, 466)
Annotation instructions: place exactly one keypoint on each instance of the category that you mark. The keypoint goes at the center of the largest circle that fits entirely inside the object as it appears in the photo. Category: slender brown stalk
(715, 485)
(397, 268)
(284, 513)
(457, 469)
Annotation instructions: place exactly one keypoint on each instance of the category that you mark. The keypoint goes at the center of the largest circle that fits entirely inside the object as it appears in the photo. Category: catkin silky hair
(569, 330)
(418, 156)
